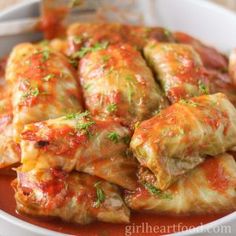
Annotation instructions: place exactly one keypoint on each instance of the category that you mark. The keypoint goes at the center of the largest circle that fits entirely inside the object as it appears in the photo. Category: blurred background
(230, 4)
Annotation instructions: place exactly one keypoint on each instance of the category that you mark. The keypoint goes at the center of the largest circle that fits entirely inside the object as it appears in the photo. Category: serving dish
(10, 223)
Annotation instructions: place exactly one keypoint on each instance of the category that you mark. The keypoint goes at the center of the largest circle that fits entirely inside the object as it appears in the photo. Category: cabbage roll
(209, 188)
(116, 82)
(43, 85)
(74, 197)
(180, 137)
(77, 141)
(178, 68)
(211, 58)
(87, 34)
(232, 66)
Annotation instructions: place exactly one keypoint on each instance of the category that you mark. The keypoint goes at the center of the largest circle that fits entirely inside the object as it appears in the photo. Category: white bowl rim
(40, 230)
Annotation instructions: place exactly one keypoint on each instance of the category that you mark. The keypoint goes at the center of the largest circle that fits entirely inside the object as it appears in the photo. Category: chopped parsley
(99, 194)
(96, 47)
(157, 192)
(77, 39)
(45, 54)
(77, 115)
(188, 102)
(84, 126)
(114, 136)
(203, 88)
(128, 77)
(106, 58)
(44, 42)
(167, 33)
(32, 92)
(112, 107)
(48, 77)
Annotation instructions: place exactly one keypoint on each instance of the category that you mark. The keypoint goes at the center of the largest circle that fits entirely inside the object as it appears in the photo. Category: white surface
(212, 24)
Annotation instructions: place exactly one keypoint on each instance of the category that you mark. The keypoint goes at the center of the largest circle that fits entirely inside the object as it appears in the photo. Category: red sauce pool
(141, 224)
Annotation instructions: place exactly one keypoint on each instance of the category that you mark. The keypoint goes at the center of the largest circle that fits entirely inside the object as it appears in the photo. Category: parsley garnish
(84, 126)
(157, 192)
(76, 115)
(106, 58)
(48, 77)
(100, 195)
(96, 47)
(167, 33)
(203, 88)
(112, 107)
(32, 92)
(188, 102)
(77, 39)
(45, 55)
(114, 136)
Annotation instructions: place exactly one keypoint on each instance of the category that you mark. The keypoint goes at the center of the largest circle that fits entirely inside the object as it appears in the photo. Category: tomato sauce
(141, 224)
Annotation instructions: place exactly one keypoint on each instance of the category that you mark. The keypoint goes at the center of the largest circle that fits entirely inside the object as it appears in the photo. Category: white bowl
(208, 22)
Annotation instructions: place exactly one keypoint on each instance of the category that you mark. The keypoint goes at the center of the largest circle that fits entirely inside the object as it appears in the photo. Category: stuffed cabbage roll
(209, 188)
(74, 197)
(80, 142)
(178, 68)
(116, 82)
(181, 136)
(43, 85)
(232, 66)
(88, 34)
(211, 58)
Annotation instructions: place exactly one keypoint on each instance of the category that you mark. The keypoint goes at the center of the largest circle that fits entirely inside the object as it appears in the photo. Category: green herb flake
(167, 33)
(157, 192)
(44, 42)
(77, 39)
(129, 78)
(112, 107)
(188, 102)
(84, 126)
(203, 88)
(105, 58)
(114, 136)
(32, 92)
(45, 55)
(96, 47)
(99, 194)
(71, 116)
(48, 77)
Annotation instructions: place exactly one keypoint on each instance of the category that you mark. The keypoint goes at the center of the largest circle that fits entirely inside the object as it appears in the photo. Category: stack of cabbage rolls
(119, 118)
